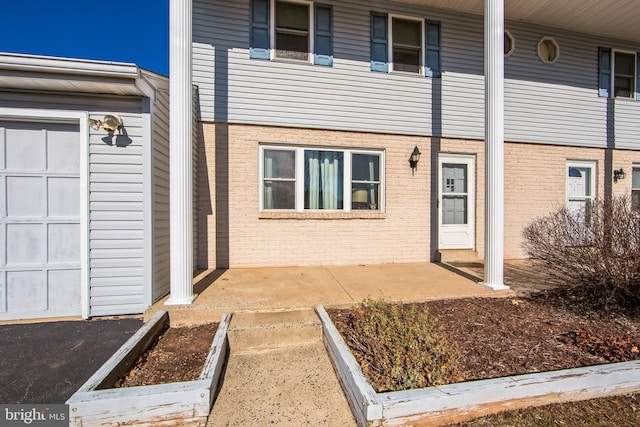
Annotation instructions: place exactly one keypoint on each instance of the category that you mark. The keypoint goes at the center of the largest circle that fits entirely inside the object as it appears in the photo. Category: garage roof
(52, 74)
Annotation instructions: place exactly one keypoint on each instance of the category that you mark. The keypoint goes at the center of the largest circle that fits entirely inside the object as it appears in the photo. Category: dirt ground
(499, 337)
(178, 355)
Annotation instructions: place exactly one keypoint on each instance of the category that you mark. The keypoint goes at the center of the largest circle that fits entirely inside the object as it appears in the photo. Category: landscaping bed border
(97, 403)
(462, 401)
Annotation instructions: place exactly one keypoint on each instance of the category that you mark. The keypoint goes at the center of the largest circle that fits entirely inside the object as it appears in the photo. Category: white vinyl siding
(544, 103)
(116, 185)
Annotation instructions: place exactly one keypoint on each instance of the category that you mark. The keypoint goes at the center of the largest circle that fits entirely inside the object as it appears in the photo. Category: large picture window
(314, 179)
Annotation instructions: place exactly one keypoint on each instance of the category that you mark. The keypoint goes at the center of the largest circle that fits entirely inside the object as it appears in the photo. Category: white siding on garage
(40, 245)
(116, 204)
(544, 103)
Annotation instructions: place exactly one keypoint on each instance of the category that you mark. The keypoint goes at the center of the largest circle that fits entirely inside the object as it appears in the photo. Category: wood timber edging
(462, 401)
(93, 404)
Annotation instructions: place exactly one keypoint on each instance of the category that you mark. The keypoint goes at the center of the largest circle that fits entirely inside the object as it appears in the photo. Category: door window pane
(635, 189)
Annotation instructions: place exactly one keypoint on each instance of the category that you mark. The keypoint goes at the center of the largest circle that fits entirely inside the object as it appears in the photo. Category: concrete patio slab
(406, 282)
(295, 288)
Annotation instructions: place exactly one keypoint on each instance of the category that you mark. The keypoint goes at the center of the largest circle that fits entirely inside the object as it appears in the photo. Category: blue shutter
(379, 48)
(604, 71)
(260, 37)
(433, 60)
(323, 41)
(637, 76)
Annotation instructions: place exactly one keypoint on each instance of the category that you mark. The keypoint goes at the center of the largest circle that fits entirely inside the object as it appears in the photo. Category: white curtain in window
(323, 169)
(372, 177)
(268, 189)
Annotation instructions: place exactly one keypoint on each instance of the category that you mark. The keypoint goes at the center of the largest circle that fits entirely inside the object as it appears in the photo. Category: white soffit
(610, 18)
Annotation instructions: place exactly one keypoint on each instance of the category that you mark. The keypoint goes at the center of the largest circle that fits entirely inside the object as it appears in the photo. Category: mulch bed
(499, 337)
(177, 355)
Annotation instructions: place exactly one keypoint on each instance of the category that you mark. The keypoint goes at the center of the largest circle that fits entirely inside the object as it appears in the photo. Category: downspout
(494, 144)
(180, 154)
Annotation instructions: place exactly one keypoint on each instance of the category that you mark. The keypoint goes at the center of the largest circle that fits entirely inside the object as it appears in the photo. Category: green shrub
(596, 249)
(400, 347)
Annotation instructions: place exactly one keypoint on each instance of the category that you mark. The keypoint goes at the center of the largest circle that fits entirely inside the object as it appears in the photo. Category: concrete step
(268, 330)
(457, 255)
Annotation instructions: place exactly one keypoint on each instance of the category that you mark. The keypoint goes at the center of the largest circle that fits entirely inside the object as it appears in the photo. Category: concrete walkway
(279, 373)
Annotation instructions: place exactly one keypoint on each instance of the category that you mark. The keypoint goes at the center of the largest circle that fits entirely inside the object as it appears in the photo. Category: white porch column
(180, 146)
(494, 143)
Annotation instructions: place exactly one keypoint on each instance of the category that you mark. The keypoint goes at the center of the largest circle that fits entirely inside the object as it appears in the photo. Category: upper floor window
(291, 29)
(624, 74)
(618, 73)
(405, 44)
(548, 50)
(314, 179)
(509, 44)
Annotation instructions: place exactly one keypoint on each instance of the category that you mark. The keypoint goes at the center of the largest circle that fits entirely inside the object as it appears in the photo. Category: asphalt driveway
(47, 362)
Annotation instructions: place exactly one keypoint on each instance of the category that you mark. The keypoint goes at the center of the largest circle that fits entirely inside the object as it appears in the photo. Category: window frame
(310, 34)
(634, 79)
(508, 35)
(556, 45)
(634, 167)
(391, 65)
(299, 169)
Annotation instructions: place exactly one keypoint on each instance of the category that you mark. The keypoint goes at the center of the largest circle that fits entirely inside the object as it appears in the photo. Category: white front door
(456, 207)
(40, 271)
(580, 184)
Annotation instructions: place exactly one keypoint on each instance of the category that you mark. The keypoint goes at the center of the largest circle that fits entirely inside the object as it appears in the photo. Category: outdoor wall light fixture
(110, 123)
(414, 159)
(619, 174)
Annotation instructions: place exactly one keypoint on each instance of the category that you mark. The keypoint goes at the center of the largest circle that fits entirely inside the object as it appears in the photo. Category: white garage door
(40, 273)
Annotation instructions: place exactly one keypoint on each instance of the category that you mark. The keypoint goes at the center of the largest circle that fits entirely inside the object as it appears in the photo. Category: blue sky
(113, 30)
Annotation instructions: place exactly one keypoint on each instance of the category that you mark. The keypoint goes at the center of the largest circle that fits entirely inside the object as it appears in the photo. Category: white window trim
(613, 73)
(312, 32)
(390, 46)
(299, 177)
(591, 165)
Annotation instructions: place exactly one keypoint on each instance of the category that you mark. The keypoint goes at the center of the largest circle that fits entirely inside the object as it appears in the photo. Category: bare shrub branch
(598, 248)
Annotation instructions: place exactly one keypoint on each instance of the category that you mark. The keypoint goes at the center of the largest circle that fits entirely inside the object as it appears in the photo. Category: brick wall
(232, 231)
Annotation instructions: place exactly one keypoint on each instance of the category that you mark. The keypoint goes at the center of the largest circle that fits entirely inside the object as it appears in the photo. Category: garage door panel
(25, 244)
(60, 144)
(64, 290)
(26, 149)
(64, 197)
(25, 196)
(26, 291)
(40, 271)
(63, 243)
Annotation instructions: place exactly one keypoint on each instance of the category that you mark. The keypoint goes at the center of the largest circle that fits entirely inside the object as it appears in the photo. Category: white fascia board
(12, 61)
